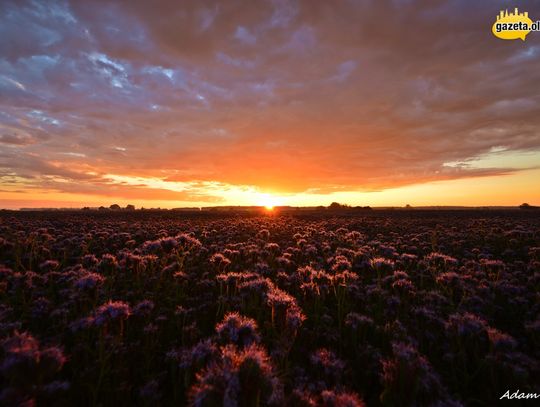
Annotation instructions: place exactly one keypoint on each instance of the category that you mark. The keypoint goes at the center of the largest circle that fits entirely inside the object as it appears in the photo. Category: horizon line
(276, 207)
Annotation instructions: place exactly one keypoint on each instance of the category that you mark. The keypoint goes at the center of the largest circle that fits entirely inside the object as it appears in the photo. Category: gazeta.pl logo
(511, 26)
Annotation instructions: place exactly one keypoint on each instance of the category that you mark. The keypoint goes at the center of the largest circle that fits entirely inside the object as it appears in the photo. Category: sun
(269, 202)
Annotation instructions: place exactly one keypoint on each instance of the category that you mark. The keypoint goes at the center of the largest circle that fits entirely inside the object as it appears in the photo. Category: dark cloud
(289, 96)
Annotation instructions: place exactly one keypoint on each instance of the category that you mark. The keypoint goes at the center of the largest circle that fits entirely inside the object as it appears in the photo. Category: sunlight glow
(269, 201)
(152, 192)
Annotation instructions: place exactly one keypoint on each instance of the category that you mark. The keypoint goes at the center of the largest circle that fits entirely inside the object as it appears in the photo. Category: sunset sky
(200, 103)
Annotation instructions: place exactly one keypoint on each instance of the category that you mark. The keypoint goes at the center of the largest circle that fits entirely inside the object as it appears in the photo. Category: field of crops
(394, 309)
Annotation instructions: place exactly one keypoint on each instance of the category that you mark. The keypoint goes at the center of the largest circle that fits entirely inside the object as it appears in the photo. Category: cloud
(15, 139)
(284, 96)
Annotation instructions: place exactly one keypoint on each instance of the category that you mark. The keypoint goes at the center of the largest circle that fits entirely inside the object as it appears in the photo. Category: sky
(204, 103)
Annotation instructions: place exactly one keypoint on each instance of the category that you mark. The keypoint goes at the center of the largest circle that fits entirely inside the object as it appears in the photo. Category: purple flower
(51, 361)
(263, 234)
(358, 321)
(188, 242)
(49, 265)
(404, 287)
(168, 244)
(354, 237)
(329, 364)
(272, 247)
(55, 387)
(89, 261)
(408, 377)
(340, 399)
(239, 377)
(89, 281)
(219, 260)
(108, 263)
(501, 341)
(82, 324)
(21, 355)
(238, 330)
(111, 311)
(441, 260)
(341, 263)
(450, 279)
(24, 360)
(382, 265)
(196, 357)
(151, 246)
(41, 307)
(466, 325)
(279, 298)
(143, 308)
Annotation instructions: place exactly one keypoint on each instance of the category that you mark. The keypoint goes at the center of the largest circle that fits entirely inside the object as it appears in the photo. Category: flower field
(395, 309)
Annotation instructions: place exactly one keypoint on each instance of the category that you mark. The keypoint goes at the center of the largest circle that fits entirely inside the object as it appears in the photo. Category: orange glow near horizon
(269, 201)
(504, 190)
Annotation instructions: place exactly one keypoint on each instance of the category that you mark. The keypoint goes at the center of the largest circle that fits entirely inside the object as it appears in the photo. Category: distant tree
(408, 206)
(114, 207)
(130, 207)
(102, 209)
(527, 206)
(361, 208)
(335, 205)
(86, 208)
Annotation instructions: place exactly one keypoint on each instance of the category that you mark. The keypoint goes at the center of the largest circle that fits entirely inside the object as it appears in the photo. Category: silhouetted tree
(114, 207)
(527, 206)
(130, 207)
